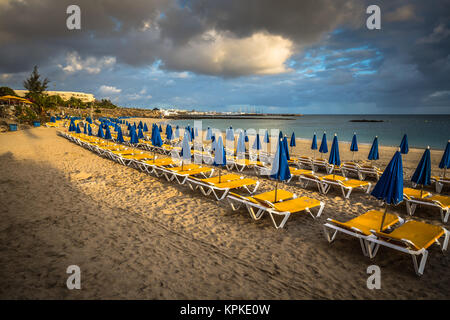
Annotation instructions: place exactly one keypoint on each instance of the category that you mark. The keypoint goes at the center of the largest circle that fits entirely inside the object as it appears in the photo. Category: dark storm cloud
(328, 55)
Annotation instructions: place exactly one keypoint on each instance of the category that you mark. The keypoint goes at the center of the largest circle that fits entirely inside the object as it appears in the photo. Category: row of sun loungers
(411, 237)
(197, 177)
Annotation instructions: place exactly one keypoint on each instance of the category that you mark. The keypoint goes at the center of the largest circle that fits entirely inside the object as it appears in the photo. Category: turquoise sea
(422, 130)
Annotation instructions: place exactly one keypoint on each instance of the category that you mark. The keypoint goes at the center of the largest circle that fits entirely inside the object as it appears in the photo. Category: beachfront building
(65, 95)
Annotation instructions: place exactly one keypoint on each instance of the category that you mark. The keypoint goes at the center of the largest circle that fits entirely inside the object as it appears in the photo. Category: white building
(65, 95)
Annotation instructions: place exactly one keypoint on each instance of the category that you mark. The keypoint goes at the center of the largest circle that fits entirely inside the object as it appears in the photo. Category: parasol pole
(276, 188)
(384, 216)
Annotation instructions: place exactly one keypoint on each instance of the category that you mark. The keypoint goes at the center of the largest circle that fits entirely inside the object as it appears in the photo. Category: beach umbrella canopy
(133, 136)
(245, 136)
(157, 141)
(108, 133)
(71, 126)
(186, 147)
(334, 153)
(323, 145)
(314, 143)
(230, 134)
(220, 158)
(292, 142)
(445, 160)
(240, 149)
(169, 132)
(257, 143)
(145, 129)
(120, 135)
(390, 186)
(354, 145)
(404, 148)
(78, 130)
(208, 134)
(266, 137)
(422, 174)
(280, 168)
(100, 133)
(373, 154)
(140, 134)
(285, 145)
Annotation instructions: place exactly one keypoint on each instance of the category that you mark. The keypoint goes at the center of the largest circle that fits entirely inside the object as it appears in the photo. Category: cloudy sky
(299, 56)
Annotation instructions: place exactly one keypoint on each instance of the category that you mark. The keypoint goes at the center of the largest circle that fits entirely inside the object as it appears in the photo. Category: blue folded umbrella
(140, 125)
(140, 134)
(285, 144)
(192, 134)
(208, 134)
(245, 136)
(78, 130)
(160, 128)
(186, 147)
(354, 145)
(314, 143)
(89, 130)
(445, 160)
(373, 153)
(120, 135)
(85, 129)
(240, 149)
(422, 175)
(323, 145)
(169, 132)
(52, 119)
(257, 143)
(108, 133)
(230, 134)
(145, 129)
(100, 133)
(220, 157)
(266, 137)
(292, 142)
(280, 168)
(157, 141)
(334, 153)
(390, 186)
(177, 132)
(133, 136)
(404, 148)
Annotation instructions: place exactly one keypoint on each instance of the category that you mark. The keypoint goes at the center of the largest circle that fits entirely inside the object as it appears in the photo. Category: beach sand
(135, 236)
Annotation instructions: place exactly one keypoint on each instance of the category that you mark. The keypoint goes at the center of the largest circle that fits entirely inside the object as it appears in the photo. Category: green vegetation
(7, 91)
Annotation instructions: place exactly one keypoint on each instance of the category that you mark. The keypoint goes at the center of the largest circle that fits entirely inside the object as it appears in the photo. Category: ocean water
(422, 130)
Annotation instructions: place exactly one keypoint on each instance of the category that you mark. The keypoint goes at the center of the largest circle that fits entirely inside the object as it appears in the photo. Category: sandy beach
(136, 236)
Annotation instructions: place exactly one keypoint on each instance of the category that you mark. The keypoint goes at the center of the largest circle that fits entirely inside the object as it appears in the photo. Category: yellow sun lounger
(360, 227)
(157, 166)
(220, 190)
(412, 237)
(366, 170)
(346, 185)
(286, 208)
(181, 173)
(440, 182)
(257, 204)
(297, 173)
(412, 200)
